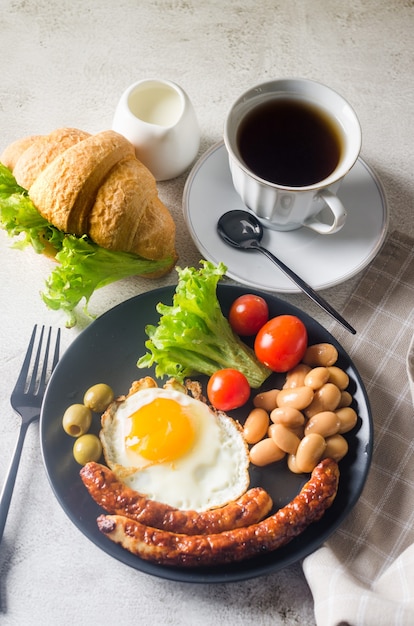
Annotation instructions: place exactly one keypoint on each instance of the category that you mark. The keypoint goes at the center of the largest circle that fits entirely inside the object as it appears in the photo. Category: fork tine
(32, 386)
(21, 381)
(37, 385)
(29, 375)
(44, 375)
(46, 358)
(57, 348)
(42, 381)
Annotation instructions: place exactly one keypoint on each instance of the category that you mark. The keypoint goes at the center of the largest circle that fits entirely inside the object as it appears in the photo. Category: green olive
(87, 448)
(98, 397)
(77, 420)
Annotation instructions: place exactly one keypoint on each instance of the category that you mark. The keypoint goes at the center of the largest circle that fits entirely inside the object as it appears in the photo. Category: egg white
(213, 472)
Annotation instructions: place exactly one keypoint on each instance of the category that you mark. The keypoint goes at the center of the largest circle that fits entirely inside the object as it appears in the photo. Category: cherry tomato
(247, 314)
(228, 389)
(281, 343)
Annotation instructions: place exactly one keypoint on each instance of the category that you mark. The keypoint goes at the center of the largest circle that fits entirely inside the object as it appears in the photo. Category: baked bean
(309, 452)
(288, 416)
(317, 377)
(296, 376)
(347, 418)
(284, 438)
(256, 425)
(338, 377)
(324, 354)
(298, 398)
(265, 452)
(305, 419)
(266, 400)
(326, 423)
(346, 399)
(292, 465)
(336, 447)
(324, 399)
(298, 430)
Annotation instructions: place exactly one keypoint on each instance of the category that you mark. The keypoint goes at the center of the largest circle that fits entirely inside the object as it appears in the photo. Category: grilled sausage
(117, 498)
(168, 548)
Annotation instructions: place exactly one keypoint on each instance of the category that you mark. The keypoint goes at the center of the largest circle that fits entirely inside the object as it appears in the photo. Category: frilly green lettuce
(83, 266)
(194, 337)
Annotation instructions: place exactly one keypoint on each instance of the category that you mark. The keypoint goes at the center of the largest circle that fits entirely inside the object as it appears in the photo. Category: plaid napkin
(364, 574)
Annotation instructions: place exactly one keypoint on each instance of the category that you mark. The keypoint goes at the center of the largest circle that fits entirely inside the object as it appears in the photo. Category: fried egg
(173, 448)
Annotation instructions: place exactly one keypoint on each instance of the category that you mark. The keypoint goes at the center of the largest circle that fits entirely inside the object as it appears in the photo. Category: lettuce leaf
(83, 266)
(193, 336)
(18, 216)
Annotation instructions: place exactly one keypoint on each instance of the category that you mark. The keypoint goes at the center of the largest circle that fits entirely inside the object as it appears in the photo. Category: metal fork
(26, 400)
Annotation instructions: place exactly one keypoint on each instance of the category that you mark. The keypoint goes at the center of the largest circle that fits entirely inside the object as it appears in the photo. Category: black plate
(107, 351)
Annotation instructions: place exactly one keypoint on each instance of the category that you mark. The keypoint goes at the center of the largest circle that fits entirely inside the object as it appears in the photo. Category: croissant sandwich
(94, 192)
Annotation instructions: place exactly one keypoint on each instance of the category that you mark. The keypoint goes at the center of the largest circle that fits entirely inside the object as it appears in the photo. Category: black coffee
(289, 142)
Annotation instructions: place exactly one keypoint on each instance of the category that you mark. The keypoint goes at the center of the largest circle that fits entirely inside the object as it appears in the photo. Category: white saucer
(321, 260)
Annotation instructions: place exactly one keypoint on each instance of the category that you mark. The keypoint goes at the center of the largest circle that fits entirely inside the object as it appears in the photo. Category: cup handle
(337, 209)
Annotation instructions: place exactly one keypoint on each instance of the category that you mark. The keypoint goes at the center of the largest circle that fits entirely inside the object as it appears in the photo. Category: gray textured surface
(65, 63)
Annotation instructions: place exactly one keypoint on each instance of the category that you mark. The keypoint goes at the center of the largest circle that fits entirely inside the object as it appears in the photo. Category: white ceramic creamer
(157, 117)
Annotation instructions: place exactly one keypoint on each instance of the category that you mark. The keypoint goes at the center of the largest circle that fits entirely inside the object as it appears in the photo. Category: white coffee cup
(284, 172)
(158, 118)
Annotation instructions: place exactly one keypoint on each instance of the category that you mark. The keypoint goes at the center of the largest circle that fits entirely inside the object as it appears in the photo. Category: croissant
(94, 185)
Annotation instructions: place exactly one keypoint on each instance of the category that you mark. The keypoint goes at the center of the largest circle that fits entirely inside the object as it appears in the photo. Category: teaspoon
(243, 230)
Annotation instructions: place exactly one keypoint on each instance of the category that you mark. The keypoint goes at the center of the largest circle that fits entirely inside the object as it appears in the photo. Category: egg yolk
(160, 430)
